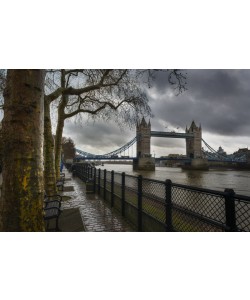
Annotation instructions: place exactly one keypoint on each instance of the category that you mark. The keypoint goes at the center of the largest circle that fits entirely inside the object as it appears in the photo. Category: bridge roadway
(171, 134)
(129, 158)
(157, 159)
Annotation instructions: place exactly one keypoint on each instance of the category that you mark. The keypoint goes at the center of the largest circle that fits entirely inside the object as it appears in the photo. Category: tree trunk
(58, 141)
(21, 207)
(60, 125)
(49, 158)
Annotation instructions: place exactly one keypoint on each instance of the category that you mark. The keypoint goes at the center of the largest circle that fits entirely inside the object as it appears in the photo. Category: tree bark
(58, 139)
(49, 156)
(21, 207)
(60, 125)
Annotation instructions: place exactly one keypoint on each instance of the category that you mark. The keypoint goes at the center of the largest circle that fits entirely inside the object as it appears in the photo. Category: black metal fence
(153, 205)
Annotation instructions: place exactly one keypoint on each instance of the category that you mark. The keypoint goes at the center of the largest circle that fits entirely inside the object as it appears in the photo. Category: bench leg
(57, 227)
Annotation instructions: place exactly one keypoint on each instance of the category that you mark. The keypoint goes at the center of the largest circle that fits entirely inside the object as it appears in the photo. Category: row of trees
(31, 156)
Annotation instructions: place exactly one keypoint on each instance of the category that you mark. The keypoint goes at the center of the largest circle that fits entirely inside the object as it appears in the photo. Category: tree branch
(99, 85)
(102, 106)
(53, 96)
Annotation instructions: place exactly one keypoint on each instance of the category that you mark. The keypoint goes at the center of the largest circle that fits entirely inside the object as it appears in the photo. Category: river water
(213, 179)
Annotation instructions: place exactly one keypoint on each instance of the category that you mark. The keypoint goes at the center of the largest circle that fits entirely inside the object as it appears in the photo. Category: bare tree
(21, 206)
(106, 94)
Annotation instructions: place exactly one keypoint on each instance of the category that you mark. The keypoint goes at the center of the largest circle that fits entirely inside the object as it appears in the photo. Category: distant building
(243, 152)
(221, 151)
(173, 160)
(174, 156)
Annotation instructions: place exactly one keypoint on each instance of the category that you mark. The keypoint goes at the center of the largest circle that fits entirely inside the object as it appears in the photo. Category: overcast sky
(219, 100)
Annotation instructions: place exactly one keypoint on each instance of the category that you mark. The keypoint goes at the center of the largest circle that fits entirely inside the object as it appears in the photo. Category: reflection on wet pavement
(95, 213)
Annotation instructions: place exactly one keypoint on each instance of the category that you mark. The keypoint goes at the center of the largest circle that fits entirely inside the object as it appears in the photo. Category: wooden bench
(52, 201)
(52, 213)
(52, 205)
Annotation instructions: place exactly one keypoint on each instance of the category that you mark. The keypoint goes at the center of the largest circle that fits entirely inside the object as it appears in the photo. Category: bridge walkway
(96, 215)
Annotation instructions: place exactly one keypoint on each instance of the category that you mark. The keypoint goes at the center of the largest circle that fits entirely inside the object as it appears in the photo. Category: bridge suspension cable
(123, 148)
(214, 155)
(109, 154)
(210, 154)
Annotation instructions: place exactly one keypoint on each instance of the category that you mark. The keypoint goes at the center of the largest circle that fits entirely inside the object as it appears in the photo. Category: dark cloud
(219, 100)
(98, 137)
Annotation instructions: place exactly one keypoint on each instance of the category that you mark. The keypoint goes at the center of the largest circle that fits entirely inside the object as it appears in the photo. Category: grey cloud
(99, 135)
(219, 100)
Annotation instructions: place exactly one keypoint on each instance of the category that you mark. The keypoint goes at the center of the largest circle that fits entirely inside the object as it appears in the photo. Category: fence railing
(153, 205)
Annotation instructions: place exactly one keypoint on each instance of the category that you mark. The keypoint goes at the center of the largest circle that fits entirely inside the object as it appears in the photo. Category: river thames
(213, 179)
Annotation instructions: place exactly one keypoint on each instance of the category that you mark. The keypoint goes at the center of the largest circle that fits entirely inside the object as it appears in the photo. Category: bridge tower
(143, 133)
(193, 149)
(193, 146)
(144, 161)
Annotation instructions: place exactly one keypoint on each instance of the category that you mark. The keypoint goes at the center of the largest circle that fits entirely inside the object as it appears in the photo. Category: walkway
(96, 214)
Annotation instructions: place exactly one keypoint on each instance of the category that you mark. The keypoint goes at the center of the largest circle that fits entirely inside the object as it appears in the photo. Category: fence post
(88, 173)
(99, 181)
(168, 205)
(85, 173)
(112, 188)
(139, 203)
(94, 181)
(104, 184)
(91, 172)
(123, 194)
(230, 210)
(84, 176)
(78, 169)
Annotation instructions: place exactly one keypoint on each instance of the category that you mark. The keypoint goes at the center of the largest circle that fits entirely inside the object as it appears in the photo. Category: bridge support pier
(197, 164)
(144, 164)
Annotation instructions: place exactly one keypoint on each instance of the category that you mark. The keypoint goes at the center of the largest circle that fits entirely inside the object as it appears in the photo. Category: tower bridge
(197, 157)
(193, 136)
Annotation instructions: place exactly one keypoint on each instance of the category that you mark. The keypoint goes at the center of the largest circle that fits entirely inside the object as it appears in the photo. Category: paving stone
(96, 214)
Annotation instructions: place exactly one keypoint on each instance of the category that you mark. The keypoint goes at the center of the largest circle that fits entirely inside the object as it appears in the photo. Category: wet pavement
(95, 213)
